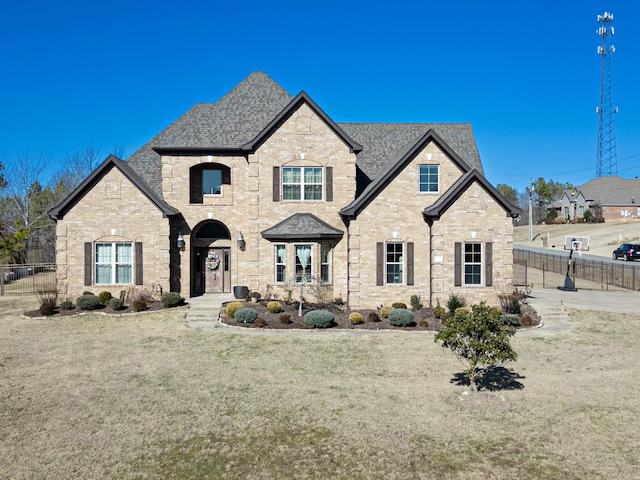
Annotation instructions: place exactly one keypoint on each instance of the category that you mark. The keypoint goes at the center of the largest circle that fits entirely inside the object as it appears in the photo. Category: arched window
(207, 179)
(213, 231)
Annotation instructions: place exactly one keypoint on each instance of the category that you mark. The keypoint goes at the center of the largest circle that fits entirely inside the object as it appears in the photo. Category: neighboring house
(265, 190)
(610, 198)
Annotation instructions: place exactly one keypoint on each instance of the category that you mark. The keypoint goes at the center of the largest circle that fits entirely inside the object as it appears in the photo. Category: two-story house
(264, 190)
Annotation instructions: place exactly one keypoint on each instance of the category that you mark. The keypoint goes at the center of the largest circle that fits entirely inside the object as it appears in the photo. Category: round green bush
(274, 307)
(440, 312)
(47, 307)
(385, 311)
(401, 317)
(116, 304)
(373, 317)
(66, 305)
(399, 305)
(355, 318)
(139, 305)
(104, 297)
(245, 315)
(87, 302)
(232, 307)
(319, 319)
(171, 299)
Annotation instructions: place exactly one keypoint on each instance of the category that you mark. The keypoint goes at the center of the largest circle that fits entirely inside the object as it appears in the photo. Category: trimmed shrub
(116, 304)
(261, 323)
(87, 292)
(373, 317)
(285, 318)
(439, 312)
(87, 302)
(66, 305)
(104, 297)
(385, 311)
(401, 317)
(355, 318)
(256, 295)
(423, 323)
(139, 305)
(232, 307)
(47, 306)
(399, 305)
(245, 315)
(274, 307)
(338, 301)
(510, 320)
(462, 310)
(171, 299)
(319, 319)
(455, 302)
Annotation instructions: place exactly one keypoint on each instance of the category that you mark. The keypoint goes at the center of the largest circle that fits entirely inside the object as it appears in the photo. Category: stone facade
(148, 202)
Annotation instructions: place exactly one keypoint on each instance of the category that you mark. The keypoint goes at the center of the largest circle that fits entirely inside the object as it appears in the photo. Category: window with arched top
(207, 179)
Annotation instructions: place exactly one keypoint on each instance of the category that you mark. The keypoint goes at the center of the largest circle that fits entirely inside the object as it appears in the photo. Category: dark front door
(211, 270)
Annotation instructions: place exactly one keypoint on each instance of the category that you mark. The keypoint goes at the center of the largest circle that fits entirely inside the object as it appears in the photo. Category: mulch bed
(424, 319)
(102, 309)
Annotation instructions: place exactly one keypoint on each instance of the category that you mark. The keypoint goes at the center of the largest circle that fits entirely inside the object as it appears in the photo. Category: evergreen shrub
(401, 317)
(319, 319)
(245, 315)
(87, 302)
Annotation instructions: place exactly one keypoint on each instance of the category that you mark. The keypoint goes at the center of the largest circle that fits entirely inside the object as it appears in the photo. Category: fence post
(1, 280)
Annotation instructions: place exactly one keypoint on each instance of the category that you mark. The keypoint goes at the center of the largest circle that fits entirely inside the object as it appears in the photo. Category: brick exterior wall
(115, 210)
(112, 211)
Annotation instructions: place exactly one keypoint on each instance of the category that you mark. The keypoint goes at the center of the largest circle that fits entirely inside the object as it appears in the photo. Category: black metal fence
(551, 269)
(28, 278)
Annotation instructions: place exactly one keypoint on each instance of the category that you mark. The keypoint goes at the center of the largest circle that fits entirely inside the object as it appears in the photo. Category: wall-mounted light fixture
(241, 243)
(180, 242)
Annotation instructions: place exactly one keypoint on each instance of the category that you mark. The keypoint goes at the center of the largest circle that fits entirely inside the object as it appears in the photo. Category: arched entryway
(211, 258)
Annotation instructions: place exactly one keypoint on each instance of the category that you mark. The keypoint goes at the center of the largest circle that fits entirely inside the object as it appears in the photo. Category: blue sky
(525, 74)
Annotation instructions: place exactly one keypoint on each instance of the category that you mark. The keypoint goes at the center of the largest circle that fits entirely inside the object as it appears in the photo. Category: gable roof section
(611, 190)
(235, 119)
(301, 98)
(383, 141)
(435, 211)
(302, 226)
(58, 212)
(393, 168)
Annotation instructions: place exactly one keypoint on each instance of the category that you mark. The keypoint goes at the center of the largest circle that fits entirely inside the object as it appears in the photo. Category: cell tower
(607, 157)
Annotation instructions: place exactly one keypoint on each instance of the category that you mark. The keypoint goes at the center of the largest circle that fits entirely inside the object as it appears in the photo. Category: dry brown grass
(146, 397)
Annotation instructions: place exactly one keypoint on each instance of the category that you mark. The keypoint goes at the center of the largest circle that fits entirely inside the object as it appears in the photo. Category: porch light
(241, 243)
(180, 242)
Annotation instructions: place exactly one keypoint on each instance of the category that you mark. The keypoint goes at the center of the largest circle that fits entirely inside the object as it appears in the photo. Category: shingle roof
(239, 119)
(302, 226)
(227, 124)
(611, 190)
(387, 142)
(435, 211)
(58, 212)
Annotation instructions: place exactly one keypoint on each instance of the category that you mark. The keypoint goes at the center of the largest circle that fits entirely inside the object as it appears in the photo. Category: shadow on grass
(493, 379)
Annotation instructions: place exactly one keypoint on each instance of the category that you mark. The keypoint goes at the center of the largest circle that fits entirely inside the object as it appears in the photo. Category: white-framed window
(211, 181)
(281, 263)
(302, 183)
(429, 175)
(303, 263)
(395, 263)
(325, 263)
(473, 263)
(114, 263)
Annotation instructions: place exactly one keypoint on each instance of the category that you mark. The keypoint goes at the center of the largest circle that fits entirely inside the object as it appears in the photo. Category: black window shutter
(196, 185)
(139, 278)
(226, 176)
(379, 263)
(88, 263)
(488, 264)
(328, 171)
(276, 184)
(409, 263)
(457, 269)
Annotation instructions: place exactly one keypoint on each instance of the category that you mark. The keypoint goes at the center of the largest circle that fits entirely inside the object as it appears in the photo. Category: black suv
(627, 251)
